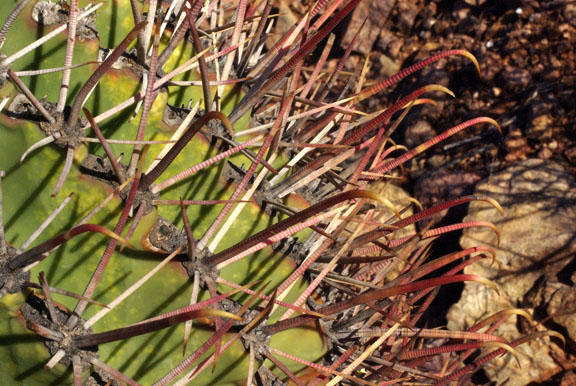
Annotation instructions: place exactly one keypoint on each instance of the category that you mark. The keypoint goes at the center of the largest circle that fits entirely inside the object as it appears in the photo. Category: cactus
(229, 189)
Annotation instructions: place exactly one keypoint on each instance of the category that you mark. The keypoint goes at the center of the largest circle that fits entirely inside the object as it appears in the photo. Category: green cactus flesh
(370, 270)
(27, 202)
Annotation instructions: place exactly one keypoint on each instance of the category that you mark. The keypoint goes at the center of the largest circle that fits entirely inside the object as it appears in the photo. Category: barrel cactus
(183, 201)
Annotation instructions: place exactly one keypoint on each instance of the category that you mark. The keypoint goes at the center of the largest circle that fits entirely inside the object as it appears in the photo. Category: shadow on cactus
(238, 179)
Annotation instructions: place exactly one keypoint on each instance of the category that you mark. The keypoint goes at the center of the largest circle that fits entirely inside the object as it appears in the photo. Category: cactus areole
(186, 198)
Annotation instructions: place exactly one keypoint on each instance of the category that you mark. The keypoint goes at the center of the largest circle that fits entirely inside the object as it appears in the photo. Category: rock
(540, 119)
(375, 13)
(570, 153)
(570, 13)
(395, 48)
(471, 26)
(388, 66)
(385, 38)
(428, 16)
(557, 298)
(545, 153)
(418, 132)
(537, 244)
(407, 12)
(515, 79)
(444, 185)
(562, 304)
(390, 43)
(568, 379)
(516, 145)
(461, 9)
(492, 64)
(400, 199)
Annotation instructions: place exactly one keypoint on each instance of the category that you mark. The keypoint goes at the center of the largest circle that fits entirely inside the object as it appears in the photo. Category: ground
(526, 50)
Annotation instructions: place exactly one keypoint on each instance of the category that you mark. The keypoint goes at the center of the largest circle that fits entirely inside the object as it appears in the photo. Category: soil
(526, 51)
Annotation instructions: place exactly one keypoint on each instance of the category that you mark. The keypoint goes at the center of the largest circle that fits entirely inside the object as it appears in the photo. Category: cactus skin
(27, 190)
(362, 238)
